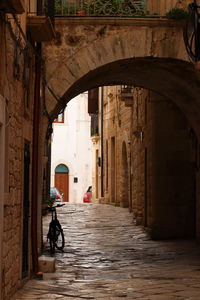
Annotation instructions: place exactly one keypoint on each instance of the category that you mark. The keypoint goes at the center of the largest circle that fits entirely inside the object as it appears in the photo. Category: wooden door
(62, 184)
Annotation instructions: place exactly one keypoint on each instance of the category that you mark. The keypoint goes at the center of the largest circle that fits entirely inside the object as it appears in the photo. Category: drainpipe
(36, 119)
(102, 156)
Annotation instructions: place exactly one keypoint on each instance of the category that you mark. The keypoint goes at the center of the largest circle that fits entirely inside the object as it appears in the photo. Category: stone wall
(173, 172)
(87, 45)
(17, 127)
(154, 161)
(164, 197)
(116, 133)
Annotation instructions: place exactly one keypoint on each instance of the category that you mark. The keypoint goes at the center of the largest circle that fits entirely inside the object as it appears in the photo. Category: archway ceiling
(175, 79)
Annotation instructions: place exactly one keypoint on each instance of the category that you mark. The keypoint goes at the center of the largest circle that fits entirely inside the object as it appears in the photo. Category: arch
(62, 180)
(172, 78)
(149, 56)
(61, 161)
(144, 53)
(62, 169)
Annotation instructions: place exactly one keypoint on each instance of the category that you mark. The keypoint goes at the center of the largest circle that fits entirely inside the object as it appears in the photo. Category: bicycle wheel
(52, 237)
(59, 239)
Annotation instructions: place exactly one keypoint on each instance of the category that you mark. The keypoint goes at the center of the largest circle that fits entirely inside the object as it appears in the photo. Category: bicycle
(55, 234)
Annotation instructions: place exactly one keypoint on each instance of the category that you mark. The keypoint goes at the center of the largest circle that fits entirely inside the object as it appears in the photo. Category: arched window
(61, 169)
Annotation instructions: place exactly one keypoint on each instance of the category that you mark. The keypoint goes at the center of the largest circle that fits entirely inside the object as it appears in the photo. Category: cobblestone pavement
(107, 257)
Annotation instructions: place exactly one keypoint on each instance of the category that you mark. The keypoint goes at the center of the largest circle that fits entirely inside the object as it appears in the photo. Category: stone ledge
(46, 264)
(119, 21)
(104, 200)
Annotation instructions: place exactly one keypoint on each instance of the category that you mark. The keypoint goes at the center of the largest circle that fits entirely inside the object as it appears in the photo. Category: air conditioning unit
(12, 6)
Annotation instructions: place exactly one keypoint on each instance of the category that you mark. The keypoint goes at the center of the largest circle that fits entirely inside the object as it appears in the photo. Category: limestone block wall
(141, 138)
(149, 161)
(109, 99)
(163, 182)
(173, 172)
(84, 45)
(123, 148)
(116, 147)
(161, 7)
(18, 128)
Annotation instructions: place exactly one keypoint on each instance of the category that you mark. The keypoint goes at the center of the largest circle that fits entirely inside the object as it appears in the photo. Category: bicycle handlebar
(59, 205)
(52, 208)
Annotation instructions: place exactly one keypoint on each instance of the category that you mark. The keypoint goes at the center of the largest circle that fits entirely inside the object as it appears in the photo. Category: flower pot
(81, 12)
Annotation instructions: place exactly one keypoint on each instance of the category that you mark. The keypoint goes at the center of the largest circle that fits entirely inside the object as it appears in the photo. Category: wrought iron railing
(100, 7)
(134, 8)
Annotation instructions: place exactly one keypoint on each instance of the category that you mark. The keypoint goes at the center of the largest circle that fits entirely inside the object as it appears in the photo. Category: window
(62, 169)
(94, 124)
(93, 101)
(60, 118)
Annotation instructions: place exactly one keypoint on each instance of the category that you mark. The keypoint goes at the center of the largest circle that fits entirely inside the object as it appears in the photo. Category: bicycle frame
(53, 213)
(55, 234)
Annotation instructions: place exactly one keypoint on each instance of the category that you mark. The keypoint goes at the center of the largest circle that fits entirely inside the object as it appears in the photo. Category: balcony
(116, 8)
(126, 95)
(40, 28)
(40, 20)
(94, 125)
(12, 6)
(99, 8)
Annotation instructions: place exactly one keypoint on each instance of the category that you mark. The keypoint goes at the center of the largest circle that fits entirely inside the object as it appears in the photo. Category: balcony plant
(81, 12)
(177, 13)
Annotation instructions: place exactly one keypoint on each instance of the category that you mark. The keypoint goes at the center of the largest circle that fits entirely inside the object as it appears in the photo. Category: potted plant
(46, 202)
(81, 12)
(177, 13)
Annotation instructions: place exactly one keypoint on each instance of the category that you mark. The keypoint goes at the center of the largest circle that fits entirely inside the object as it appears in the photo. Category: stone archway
(172, 78)
(122, 58)
(147, 53)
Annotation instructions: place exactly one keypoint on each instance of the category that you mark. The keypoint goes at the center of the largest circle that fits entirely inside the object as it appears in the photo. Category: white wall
(72, 146)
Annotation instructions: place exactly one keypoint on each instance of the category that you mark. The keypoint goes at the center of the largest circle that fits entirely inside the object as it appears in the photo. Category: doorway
(113, 199)
(25, 245)
(62, 181)
(125, 181)
(97, 175)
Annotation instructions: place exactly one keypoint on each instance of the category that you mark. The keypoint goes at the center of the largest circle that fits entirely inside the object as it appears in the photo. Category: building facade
(71, 146)
(16, 119)
(20, 97)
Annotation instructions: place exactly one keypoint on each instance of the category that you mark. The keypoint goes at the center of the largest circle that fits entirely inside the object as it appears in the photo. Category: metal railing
(129, 8)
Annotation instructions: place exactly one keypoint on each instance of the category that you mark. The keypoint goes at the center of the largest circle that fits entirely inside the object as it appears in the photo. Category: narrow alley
(107, 257)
